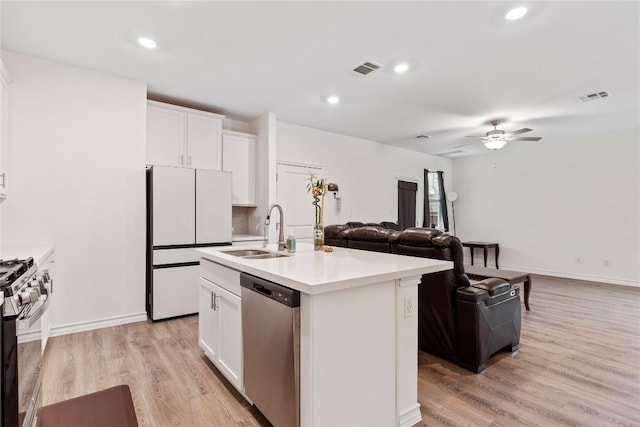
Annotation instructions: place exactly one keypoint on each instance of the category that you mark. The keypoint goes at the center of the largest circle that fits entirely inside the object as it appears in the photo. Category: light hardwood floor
(578, 365)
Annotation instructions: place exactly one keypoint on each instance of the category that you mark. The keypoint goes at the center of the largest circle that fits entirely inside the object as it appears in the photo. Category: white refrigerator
(186, 209)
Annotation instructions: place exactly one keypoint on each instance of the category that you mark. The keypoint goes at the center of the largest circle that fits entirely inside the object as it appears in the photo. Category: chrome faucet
(267, 221)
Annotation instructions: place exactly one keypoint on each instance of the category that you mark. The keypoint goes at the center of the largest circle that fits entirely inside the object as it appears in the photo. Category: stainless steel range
(24, 297)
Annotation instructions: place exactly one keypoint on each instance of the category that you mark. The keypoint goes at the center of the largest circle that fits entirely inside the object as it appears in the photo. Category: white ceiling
(468, 64)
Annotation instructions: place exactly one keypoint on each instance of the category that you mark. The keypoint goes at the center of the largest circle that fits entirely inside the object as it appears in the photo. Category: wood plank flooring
(578, 365)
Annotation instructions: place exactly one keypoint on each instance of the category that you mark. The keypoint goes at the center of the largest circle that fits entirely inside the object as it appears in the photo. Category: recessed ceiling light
(333, 99)
(147, 42)
(516, 13)
(401, 68)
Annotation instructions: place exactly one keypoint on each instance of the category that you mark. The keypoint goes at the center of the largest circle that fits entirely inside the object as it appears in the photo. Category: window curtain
(407, 204)
(443, 202)
(426, 214)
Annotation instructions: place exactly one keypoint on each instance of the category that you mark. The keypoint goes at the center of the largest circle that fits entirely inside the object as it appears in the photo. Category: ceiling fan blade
(476, 136)
(519, 131)
(527, 138)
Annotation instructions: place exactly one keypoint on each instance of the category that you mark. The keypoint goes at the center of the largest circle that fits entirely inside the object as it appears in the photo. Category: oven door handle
(28, 321)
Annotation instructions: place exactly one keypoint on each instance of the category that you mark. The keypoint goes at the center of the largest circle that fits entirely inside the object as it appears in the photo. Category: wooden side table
(485, 246)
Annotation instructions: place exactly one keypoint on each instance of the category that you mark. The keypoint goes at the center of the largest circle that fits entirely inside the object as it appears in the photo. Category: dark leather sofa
(462, 322)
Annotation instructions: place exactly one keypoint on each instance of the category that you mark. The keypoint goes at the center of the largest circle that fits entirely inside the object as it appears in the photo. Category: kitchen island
(358, 329)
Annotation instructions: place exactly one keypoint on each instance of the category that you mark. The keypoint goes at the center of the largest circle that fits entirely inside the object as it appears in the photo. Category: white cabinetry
(220, 321)
(4, 131)
(239, 158)
(184, 137)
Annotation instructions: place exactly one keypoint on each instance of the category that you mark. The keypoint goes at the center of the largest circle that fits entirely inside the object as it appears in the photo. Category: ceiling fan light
(495, 144)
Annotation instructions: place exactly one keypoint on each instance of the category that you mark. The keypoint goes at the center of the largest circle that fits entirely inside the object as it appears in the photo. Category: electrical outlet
(606, 262)
(408, 307)
(578, 260)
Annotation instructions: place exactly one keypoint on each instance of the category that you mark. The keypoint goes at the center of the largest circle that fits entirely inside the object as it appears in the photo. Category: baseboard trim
(96, 324)
(574, 276)
(410, 417)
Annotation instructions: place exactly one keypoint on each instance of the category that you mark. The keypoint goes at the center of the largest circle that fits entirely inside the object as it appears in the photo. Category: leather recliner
(463, 322)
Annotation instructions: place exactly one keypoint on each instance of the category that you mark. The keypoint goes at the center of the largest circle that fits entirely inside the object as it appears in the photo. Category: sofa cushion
(442, 240)
(355, 224)
(370, 234)
(416, 237)
(333, 231)
(390, 225)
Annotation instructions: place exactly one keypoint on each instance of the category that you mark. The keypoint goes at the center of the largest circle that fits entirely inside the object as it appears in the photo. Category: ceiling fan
(496, 138)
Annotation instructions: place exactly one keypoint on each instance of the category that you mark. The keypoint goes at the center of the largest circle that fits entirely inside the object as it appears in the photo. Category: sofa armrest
(471, 294)
(493, 286)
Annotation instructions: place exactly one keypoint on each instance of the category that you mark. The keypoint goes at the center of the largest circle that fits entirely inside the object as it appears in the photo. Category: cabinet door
(239, 158)
(208, 320)
(175, 291)
(213, 207)
(166, 136)
(204, 142)
(230, 336)
(173, 206)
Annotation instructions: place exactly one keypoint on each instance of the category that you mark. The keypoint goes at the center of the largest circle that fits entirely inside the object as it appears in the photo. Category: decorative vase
(317, 189)
(318, 237)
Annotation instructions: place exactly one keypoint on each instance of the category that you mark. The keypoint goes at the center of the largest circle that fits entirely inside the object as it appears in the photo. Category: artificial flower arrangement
(318, 189)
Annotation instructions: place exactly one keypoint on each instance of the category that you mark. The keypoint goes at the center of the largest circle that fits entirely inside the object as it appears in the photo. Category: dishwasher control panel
(283, 298)
(274, 291)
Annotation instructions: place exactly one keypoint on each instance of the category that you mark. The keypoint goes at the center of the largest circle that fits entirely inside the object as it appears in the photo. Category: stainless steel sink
(265, 256)
(246, 252)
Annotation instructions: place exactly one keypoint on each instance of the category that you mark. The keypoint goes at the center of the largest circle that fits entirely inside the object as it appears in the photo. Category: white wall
(548, 204)
(366, 171)
(77, 161)
(264, 127)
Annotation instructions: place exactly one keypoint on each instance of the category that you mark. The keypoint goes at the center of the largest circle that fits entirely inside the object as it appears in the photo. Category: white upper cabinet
(166, 136)
(239, 158)
(4, 131)
(183, 137)
(203, 136)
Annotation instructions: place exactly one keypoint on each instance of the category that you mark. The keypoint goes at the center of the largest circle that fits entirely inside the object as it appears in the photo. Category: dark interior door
(407, 204)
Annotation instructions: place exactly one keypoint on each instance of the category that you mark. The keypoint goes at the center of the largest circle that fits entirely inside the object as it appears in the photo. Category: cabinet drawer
(224, 277)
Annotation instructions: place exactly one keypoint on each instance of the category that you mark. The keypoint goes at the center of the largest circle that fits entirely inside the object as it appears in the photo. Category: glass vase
(318, 237)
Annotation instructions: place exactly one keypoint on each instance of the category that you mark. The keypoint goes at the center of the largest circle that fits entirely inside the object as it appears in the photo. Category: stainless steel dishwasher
(271, 346)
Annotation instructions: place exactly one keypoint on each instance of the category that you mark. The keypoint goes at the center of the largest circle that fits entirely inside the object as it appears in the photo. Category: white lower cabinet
(220, 330)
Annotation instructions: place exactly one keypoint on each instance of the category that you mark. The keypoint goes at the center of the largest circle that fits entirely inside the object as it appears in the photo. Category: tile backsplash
(240, 219)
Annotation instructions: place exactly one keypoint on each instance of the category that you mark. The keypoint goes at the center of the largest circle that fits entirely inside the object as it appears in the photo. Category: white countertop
(315, 272)
(246, 237)
(38, 253)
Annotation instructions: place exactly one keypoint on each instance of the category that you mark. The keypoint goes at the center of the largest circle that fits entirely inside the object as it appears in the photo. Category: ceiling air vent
(451, 153)
(595, 95)
(366, 68)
